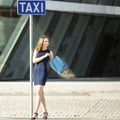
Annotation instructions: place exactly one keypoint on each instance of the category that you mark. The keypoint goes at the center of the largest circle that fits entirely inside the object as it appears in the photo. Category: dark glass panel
(89, 44)
(8, 22)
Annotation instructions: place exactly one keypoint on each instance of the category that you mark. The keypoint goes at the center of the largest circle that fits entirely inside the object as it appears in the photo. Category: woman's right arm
(35, 59)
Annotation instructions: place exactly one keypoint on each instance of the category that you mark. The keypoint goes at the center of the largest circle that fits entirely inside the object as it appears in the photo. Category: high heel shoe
(35, 115)
(45, 115)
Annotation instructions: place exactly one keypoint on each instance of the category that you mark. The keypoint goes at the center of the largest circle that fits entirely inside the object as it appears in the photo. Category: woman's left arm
(51, 55)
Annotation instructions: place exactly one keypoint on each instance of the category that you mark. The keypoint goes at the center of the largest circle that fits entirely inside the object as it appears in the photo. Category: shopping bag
(58, 65)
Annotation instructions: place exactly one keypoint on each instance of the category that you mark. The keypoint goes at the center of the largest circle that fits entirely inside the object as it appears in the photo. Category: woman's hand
(47, 55)
(36, 60)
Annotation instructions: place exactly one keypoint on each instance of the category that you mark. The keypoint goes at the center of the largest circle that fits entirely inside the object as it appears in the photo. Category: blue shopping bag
(58, 65)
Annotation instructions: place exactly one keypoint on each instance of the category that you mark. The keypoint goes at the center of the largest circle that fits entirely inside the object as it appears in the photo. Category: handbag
(58, 65)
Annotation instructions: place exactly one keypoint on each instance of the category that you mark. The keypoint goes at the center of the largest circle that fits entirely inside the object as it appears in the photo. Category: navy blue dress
(40, 72)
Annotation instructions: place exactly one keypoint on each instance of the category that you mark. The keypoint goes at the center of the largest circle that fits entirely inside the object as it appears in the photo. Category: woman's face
(46, 43)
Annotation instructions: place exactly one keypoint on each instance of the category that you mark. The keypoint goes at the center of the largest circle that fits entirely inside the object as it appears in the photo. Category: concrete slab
(65, 100)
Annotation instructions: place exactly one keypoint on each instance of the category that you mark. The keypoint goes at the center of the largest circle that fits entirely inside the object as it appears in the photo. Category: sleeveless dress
(40, 72)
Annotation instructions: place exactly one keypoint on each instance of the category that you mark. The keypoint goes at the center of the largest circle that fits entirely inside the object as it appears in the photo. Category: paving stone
(92, 104)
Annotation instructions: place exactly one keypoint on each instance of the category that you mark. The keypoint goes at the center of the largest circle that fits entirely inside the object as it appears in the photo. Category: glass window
(89, 44)
(8, 22)
(117, 3)
(6, 2)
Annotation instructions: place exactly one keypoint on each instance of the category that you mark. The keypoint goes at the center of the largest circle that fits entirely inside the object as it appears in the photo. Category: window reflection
(89, 44)
(8, 21)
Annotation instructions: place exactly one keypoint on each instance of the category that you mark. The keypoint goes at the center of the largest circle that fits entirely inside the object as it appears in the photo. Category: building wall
(88, 43)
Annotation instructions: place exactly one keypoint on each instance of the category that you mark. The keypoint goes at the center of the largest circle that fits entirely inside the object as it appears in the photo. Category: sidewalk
(65, 100)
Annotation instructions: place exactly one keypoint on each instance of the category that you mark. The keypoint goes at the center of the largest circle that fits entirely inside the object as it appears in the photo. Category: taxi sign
(35, 7)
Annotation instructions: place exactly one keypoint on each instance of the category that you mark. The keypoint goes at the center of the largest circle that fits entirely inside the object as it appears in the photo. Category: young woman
(41, 56)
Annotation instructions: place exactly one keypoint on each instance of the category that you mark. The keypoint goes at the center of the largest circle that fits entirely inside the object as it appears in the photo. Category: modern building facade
(84, 33)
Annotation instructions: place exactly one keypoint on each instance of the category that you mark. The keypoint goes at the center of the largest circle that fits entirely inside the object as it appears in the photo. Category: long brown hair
(40, 43)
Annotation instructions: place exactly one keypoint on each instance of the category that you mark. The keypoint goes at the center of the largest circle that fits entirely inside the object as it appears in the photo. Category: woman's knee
(40, 90)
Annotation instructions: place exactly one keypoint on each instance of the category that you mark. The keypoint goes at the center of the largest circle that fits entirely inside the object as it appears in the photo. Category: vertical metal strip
(31, 50)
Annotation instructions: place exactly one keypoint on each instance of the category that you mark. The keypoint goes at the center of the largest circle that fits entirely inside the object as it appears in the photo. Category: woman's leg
(40, 98)
(43, 102)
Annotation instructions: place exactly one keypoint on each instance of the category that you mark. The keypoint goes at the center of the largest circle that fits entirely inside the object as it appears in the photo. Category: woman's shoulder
(50, 51)
(35, 51)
